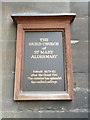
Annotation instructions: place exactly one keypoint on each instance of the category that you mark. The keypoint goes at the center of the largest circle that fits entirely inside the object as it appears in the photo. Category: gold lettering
(43, 56)
(46, 52)
(44, 76)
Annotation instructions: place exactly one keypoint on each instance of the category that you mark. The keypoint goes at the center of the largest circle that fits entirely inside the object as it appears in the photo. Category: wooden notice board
(43, 57)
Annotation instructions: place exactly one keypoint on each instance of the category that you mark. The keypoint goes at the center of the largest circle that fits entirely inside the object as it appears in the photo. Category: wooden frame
(51, 23)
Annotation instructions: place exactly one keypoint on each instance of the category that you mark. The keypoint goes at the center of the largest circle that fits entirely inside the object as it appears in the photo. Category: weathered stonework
(79, 32)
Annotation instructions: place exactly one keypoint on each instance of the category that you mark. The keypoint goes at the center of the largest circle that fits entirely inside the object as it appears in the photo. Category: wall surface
(0, 60)
(79, 43)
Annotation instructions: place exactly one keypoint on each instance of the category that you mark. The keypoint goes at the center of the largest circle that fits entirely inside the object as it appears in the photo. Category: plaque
(43, 62)
(43, 57)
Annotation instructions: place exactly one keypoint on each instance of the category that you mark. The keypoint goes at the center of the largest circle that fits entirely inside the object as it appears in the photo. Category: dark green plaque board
(43, 62)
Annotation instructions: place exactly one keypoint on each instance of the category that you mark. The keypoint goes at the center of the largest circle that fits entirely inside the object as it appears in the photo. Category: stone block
(79, 29)
(89, 8)
(80, 8)
(20, 114)
(80, 56)
(8, 58)
(81, 80)
(8, 103)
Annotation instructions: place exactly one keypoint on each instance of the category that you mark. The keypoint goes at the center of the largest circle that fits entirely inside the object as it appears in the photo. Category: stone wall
(79, 43)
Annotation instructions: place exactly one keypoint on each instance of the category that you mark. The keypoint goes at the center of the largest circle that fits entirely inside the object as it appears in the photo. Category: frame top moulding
(63, 16)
